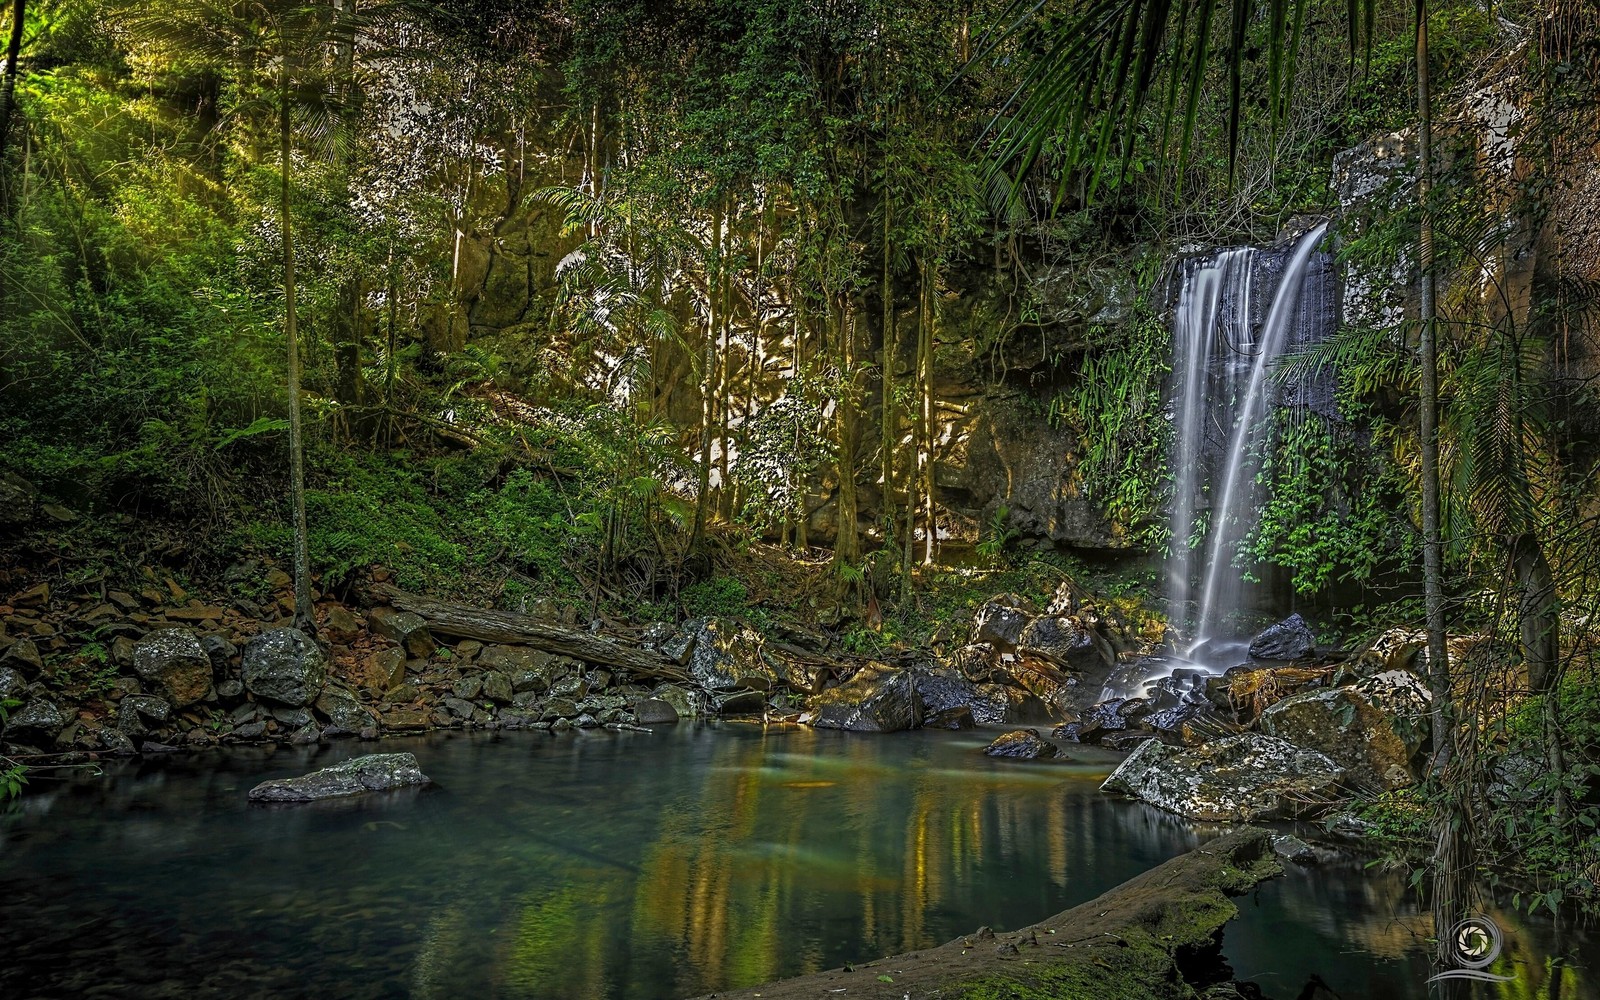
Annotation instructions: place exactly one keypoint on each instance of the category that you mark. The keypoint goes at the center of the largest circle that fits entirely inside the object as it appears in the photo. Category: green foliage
(998, 534)
(13, 776)
(721, 596)
(1117, 410)
(1328, 516)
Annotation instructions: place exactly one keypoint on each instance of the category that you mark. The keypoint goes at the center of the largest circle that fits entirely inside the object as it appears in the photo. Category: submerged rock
(1024, 744)
(1290, 639)
(1238, 778)
(878, 699)
(372, 773)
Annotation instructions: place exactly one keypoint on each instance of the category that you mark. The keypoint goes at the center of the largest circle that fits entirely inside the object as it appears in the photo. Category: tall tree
(8, 88)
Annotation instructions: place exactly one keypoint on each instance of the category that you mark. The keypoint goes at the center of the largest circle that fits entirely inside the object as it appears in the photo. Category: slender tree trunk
(886, 363)
(725, 387)
(8, 89)
(1452, 859)
(1539, 614)
(708, 386)
(304, 620)
(847, 546)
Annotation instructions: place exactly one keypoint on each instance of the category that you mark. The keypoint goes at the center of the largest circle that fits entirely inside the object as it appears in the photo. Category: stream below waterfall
(640, 866)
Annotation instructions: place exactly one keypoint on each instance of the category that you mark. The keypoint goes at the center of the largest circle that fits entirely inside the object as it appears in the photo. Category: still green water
(627, 866)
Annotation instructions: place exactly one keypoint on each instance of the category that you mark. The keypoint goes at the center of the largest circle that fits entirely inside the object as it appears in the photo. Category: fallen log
(464, 621)
(1148, 939)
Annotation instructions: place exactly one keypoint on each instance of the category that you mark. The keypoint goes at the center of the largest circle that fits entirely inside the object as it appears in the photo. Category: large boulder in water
(1290, 639)
(722, 655)
(173, 663)
(941, 689)
(372, 773)
(878, 699)
(284, 665)
(1240, 778)
(1024, 744)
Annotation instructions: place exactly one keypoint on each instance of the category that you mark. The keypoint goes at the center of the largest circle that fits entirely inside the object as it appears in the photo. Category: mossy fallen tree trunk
(1155, 937)
(464, 621)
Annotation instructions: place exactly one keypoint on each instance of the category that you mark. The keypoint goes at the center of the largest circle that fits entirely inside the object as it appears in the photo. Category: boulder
(136, 711)
(688, 703)
(12, 684)
(284, 665)
(1396, 649)
(173, 663)
(23, 657)
(654, 712)
(341, 623)
(878, 699)
(959, 717)
(1067, 642)
(1375, 747)
(1240, 778)
(405, 628)
(17, 500)
(941, 688)
(1001, 621)
(1023, 744)
(1050, 684)
(1000, 704)
(723, 655)
(115, 741)
(343, 709)
(529, 669)
(372, 773)
(221, 653)
(1290, 639)
(746, 702)
(37, 723)
(497, 687)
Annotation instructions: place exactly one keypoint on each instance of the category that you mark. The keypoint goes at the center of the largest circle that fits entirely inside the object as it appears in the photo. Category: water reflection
(600, 865)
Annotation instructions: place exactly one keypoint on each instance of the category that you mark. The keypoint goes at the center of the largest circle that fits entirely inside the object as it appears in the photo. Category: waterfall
(1223, 359)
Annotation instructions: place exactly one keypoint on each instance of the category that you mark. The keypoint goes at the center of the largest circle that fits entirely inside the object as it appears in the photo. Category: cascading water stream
(1232, 514)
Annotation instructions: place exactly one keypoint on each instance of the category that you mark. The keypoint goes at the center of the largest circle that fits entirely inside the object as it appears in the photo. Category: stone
(341, 623)
(284, 665)
(468, 687)
(175, 664)
(384, 670)
(1396, 649)
(12, 684)
(221, 653)
(559, 708)
(941, 689)
(115, 741)
(725, 655)
(1000, 704)
(230, 688)
(369, 773)
(529, 669)
(23, 656)
(39, 721)
(249, 731)
(1375, 748)
(1290, 639)
(466, 649)
(295, 718)
(306, 735)
(1023, 744)
(740, 702)
(406, 718)
(459, 707)
(1241, 778)
(405, 628)
(152, 747)
(1066, 642)
(343, 709)
(654, 712)
(688, 703)
(1000, 621)
(959, 717)
(977, 662)
(497, 687)
(35, 596)
(122, 651)
(1125, 742)
(136, 709)
(878, 699)
(1292, 848)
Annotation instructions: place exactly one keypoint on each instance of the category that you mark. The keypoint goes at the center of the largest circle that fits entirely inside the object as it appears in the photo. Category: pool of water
(626, 865)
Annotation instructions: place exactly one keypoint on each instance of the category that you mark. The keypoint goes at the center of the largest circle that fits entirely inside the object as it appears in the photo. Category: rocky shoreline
(1284, 734)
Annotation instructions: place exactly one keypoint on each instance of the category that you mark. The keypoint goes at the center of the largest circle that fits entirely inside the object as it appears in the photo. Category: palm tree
(1086, 79)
